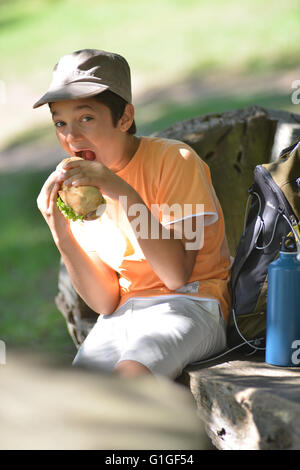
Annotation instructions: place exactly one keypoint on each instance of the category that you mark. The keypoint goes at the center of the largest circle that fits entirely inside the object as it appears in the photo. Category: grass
(162, 115)
(161, 38)
(165, 42)
(29, 269)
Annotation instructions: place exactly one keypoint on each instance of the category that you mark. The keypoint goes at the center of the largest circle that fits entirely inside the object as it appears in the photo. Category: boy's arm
(167, 255)
(95, 282)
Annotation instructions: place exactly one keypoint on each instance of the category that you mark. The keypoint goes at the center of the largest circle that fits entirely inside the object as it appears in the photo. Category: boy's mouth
(86, 154)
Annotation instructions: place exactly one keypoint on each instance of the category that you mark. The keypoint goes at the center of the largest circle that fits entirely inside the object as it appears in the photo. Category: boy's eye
(86, 118)
(59, 123)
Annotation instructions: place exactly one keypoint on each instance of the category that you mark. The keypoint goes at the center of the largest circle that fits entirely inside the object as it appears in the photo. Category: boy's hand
(87, 173)
(46, 203)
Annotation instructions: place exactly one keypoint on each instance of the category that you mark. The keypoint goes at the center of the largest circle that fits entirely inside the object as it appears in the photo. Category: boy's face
(84, 128)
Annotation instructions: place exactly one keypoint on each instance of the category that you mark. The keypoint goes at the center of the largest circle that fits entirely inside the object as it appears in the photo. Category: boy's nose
(73, 134)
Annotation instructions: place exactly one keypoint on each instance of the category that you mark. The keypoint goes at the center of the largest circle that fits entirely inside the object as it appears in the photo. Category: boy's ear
(127, 118)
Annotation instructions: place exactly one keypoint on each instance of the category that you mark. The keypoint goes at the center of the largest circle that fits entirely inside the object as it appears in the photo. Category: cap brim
(71, 91)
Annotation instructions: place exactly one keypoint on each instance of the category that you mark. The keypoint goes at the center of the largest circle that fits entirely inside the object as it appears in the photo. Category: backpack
(274, 212)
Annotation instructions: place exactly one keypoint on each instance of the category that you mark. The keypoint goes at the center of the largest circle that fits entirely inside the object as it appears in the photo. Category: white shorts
(165, 334)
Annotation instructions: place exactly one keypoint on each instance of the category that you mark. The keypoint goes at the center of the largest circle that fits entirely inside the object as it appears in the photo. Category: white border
(214, 219)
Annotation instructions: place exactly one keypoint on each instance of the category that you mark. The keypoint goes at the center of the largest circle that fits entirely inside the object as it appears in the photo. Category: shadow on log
(232, 144)
(49, 406)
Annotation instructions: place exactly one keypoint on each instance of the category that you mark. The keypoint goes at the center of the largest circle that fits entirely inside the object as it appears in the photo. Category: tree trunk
(232, 144)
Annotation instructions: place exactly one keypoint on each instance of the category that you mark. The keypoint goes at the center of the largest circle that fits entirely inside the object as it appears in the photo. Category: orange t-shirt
(175, 184)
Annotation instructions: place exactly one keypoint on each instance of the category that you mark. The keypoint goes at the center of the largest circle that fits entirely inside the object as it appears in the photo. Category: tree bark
(249, 405)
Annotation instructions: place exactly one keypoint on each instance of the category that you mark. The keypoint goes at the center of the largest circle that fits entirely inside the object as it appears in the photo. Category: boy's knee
(128, 368)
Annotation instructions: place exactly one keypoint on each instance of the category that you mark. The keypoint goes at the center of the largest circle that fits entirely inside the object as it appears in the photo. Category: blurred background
(188, 58)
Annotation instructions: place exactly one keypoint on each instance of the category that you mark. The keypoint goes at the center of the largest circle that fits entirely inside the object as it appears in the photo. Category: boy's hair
(116, 104)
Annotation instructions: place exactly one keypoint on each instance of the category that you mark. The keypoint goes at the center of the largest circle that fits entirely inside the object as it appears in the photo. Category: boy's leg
(128, 368)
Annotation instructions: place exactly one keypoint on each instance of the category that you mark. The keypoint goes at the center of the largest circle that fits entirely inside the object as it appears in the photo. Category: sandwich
(81, 202)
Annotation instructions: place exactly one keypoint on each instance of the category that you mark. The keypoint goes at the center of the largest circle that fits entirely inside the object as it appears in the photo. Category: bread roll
(82, 200)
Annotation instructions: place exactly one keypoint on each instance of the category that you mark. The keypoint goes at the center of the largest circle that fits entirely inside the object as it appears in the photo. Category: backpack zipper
(286, 207)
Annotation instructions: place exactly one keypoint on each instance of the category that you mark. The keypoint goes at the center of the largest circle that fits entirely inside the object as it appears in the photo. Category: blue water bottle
(283, 307)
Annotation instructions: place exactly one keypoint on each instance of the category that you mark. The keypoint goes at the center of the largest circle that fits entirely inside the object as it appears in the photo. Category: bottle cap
(288, 245)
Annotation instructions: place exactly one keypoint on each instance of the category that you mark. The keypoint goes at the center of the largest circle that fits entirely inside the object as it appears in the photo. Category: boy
(159, 280)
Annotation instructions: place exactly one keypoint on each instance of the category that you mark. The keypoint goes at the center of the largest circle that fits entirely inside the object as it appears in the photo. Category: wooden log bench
(244, 403)
(247, 404)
